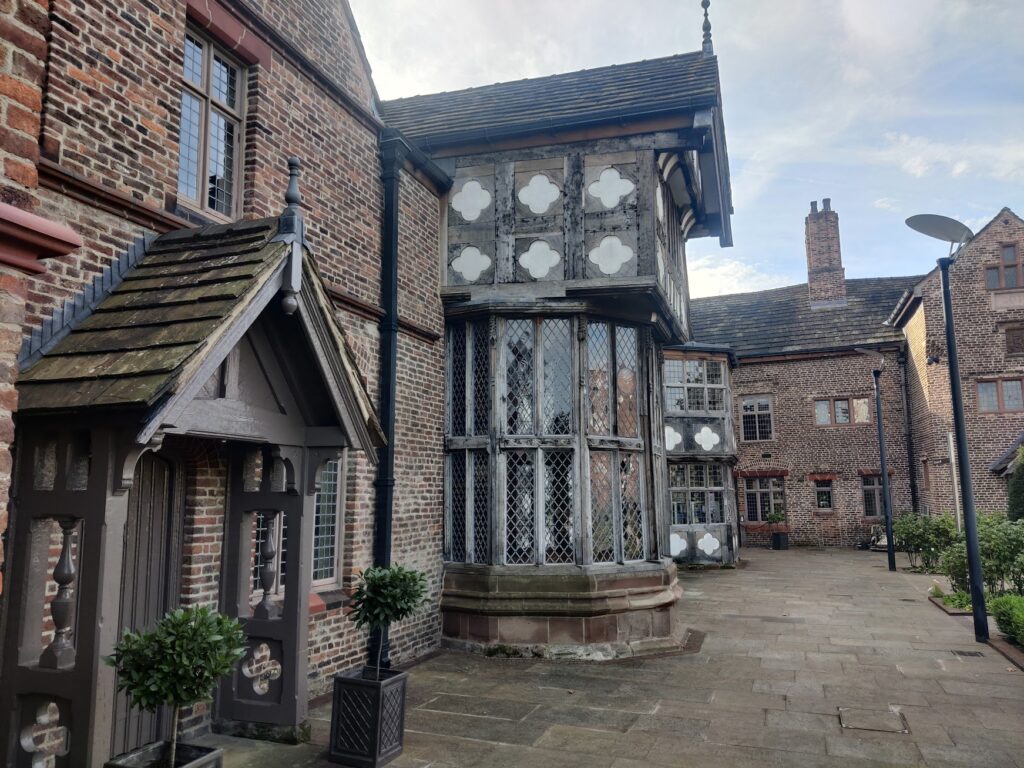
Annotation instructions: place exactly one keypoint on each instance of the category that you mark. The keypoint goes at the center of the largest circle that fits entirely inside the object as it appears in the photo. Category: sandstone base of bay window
(596, 612)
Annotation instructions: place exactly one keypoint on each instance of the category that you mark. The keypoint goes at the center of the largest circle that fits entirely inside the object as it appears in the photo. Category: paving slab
(791, 640)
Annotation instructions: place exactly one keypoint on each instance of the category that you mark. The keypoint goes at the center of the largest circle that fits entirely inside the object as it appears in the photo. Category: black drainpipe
(393, 151)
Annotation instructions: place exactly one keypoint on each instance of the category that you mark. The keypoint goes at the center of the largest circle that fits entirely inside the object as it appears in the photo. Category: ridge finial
(706, 47)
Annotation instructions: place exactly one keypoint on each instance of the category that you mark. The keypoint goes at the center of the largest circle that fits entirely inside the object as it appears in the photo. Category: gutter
(908, 433)
(394, 151)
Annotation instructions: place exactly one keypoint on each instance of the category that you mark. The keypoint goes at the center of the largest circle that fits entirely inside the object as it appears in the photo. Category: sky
(888, 107)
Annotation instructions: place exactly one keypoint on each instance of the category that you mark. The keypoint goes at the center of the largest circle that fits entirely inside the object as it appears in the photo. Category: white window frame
(681, 383)
(333, 581)
(776, 485)
(771, 416)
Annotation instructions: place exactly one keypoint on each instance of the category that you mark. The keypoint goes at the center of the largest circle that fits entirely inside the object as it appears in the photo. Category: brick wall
(801, 448)
(110, 117)
(981, 344)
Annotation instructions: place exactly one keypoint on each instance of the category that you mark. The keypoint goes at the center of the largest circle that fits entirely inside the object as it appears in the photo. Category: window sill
(333, 597)
(823, 513)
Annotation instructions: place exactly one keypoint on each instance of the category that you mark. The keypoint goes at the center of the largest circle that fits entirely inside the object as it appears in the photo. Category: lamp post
(956, 234)
(883, 458)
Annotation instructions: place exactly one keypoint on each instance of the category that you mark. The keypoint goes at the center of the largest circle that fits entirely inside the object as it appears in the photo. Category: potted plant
(779, 531)
(368, 708)
(176, 665)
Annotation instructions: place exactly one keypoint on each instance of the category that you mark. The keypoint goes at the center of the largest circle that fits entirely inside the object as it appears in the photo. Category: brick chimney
(826, 278)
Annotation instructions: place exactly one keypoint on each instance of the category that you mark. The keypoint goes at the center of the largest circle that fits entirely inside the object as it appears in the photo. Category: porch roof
(149, 329)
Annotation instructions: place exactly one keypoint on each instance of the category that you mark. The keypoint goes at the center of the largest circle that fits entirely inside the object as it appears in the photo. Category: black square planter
(780, 541)
(187, 756)
(367, 717)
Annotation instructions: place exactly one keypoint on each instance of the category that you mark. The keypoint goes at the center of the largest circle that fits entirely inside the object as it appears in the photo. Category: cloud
(920, 156)
(887, 204)
(716, 276)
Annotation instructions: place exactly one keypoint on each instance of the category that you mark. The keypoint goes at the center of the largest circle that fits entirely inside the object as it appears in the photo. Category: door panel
(148, 578)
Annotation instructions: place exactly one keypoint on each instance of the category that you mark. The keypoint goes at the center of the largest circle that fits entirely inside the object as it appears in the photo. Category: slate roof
(1006, 463)
(636, 90)
(133, 346)
(781, 320)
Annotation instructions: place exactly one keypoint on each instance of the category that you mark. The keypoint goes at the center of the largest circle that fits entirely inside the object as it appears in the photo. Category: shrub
(179, 662)
(1008, 611)
(1000, 542)
(953, 565)
(961, 600)
(924, 538)
(386, 595)
(1015, 490)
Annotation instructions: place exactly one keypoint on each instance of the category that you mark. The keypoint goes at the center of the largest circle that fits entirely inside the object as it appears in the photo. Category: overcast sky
(889, 107)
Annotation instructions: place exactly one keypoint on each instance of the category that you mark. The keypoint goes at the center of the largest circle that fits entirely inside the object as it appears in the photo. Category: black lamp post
(956, 234)
(883, 457)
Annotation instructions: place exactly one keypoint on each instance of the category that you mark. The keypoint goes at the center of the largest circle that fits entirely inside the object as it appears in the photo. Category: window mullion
(470, 506)
(469, 412)
(617, 504)
(540, 529)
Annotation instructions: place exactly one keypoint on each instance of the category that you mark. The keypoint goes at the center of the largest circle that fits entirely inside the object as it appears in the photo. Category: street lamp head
(941, 228)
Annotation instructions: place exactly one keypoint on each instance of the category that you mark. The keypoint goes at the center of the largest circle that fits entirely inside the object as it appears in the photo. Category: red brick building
(803, 395)
(241, 384)
(988, 311)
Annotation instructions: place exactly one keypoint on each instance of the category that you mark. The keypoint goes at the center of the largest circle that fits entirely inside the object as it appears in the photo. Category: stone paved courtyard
(791, 640)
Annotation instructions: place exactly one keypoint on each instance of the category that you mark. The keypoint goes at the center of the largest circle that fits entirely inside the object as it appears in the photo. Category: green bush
(1015, 507)
(386, 595)
(1008, 611)
(924, 538)
(1001, 542)
(953, 565)
(179, 662)
(961, 600)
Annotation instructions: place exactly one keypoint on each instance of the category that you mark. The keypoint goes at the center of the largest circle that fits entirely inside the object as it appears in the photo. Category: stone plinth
(592, 612)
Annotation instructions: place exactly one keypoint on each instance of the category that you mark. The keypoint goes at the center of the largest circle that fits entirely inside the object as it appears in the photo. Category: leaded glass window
(756, 418)
(209, 145)
(694, 386)
(698, 493)
(327, 524)
(763, 496)
(518, 442)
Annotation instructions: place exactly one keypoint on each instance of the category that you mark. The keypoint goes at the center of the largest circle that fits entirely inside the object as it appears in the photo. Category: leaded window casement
(210, 136)
(841, 411)
(564, 403)
(764, 495)
(327, 523)
(1001, 396)
(695, 386)
(698, 493)
(756, 418)
(871, 485)
(823, 494)
(1007, 273)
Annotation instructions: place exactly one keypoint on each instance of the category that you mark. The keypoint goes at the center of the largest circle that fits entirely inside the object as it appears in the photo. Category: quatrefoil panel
(262, 669)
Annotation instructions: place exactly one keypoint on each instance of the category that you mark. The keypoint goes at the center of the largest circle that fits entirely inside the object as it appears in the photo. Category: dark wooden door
(149, 576)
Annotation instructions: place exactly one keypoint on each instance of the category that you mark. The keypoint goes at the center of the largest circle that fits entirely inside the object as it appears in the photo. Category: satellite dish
(940, 227)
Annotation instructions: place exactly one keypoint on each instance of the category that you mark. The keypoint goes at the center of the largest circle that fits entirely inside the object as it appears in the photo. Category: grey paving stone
(501, 709)
(872, 720)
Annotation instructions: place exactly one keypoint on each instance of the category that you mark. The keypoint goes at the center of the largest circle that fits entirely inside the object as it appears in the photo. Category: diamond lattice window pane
(519, 508)
(325, 524)
(457, 506)
(632, 511)
(559, 546)
(481, 507)
(626, 381)
(557, 407)
(481, 377)
(602, 514)
(598, 383)
(457, 381)
(673, 371)
(519, 376)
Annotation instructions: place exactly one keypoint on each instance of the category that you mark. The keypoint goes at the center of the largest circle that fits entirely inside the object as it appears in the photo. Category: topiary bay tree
(385, 595)
(179, 662)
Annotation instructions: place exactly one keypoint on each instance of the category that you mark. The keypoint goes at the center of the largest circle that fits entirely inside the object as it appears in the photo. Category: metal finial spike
(292, 196)
(707, 48)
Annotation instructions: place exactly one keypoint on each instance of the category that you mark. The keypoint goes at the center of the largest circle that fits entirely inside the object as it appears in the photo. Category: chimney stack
(826, 278)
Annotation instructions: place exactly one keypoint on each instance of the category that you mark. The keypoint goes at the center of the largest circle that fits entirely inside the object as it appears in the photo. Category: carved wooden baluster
(268, 568)
(60, 653)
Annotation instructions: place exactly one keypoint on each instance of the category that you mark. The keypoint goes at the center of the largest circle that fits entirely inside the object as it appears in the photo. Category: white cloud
(920, 156)
(716, 276)
(887, 204)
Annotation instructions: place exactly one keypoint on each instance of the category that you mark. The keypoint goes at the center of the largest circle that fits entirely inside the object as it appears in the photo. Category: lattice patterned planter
(367, 717)
(188, 756)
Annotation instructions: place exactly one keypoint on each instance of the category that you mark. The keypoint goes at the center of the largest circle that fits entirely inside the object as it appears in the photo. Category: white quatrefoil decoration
(471, 200)
(539, 194)
(708, 544)
(677, 544)
(539, 258)
(471, 263)
(610, 187)
(672, 437)
(610, 255)
(707, 438)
